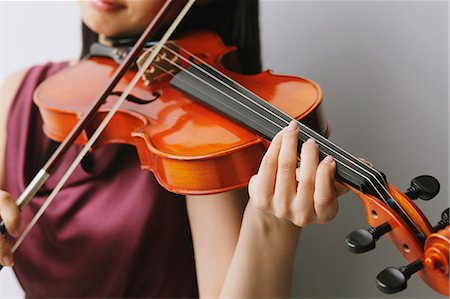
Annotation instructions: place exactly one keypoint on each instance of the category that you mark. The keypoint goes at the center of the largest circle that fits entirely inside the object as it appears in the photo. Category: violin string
(307, 131)
(323, 141)
(103, 124)
(279, 127)
(267, 119)
(256, 103)
(317, 137)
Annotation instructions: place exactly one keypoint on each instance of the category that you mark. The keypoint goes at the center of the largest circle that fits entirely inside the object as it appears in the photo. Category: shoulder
(9, 89)
(10, 86)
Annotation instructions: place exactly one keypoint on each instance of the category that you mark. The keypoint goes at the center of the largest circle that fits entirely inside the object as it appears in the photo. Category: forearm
(262, 264)
(248, 252)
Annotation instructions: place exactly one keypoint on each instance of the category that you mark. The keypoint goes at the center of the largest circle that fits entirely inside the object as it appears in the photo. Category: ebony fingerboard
(220, 93)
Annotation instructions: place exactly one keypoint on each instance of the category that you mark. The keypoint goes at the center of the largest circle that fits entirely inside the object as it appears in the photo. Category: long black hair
(236, 21)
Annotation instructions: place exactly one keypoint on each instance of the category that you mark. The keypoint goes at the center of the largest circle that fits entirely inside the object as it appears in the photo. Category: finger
(287, 162)
(10, 214)
(366, 161)
(268, 167)
(341, 189)
(325, 203)
(303, 202)
(297, 173)
(6, 258)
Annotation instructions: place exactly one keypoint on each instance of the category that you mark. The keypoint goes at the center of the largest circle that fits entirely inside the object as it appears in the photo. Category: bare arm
(8, 209)
(257, 260)
(8, 91)
(215, 223)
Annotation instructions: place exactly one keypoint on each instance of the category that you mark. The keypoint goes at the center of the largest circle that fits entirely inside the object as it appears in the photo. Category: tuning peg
(363, 240)
(444, 221)
(392, 280)
(424, 187)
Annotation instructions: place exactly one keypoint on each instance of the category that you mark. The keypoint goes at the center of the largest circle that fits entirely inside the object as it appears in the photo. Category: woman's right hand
(10, 214)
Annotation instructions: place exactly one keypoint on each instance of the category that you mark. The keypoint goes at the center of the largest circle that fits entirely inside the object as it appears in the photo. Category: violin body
(190, 148)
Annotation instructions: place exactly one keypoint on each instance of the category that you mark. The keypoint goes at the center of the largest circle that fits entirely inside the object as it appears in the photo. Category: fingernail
(292, 126)
(366, 162)
(310, 141)
(8, 261)
(328, 160)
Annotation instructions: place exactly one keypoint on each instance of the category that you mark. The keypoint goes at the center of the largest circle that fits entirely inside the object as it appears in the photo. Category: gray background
(383, 67)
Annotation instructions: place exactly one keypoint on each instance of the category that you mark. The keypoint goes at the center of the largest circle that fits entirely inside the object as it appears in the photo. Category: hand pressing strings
(302, 195)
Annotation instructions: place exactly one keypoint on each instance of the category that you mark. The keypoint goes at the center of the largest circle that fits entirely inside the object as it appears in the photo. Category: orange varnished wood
(434, 255)
(191, 149)
(401, 234)
(436, 260)
(410, 208)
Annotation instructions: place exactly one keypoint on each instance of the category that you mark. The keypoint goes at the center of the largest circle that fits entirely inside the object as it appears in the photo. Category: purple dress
(111, 232)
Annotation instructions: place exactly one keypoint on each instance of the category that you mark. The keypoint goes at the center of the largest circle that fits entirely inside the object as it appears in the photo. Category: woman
(101, 239)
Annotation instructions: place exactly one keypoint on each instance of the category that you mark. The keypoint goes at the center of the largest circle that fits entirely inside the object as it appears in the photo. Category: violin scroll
(435, 265)
(436, 258)
(425, 248)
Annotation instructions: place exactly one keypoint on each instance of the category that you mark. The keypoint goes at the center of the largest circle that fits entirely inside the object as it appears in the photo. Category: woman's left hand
(301, 195)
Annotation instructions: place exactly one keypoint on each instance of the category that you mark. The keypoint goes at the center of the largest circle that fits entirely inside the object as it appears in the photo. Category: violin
(190, 148)
(202, 128)
(193, 149)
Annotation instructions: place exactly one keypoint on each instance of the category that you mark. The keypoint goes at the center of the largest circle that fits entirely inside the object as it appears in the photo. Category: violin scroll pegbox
(436, 257)
(426, 252)
(434, 264)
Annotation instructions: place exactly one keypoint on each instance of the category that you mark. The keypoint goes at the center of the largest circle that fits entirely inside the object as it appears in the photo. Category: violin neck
(226, 96)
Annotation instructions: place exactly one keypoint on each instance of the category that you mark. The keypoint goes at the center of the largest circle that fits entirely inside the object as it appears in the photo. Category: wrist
(268, 223)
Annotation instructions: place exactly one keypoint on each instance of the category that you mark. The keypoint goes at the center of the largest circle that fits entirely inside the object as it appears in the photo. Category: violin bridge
(165, 65)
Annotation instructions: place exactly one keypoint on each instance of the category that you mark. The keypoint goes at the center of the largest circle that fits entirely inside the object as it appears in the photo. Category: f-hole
(134, 99)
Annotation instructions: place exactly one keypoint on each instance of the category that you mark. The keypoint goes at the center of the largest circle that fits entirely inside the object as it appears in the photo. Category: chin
(103, 28)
